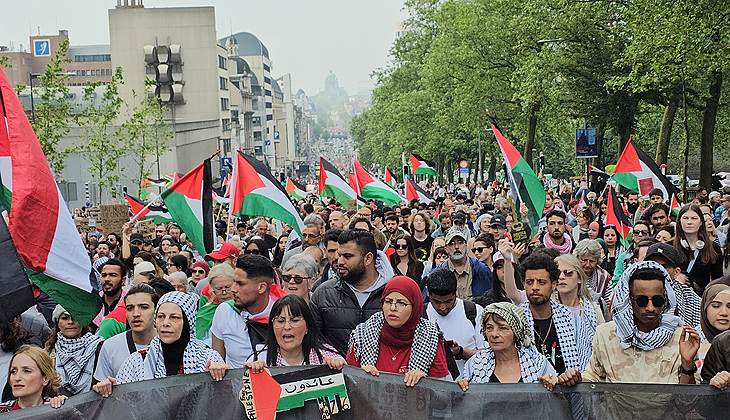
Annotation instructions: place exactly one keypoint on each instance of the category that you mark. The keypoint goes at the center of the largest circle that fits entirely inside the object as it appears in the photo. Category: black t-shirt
(546, 339)
(423, 248)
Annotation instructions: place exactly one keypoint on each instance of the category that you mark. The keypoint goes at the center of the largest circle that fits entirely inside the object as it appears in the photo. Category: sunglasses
(478, 249)
(567, 273)
(400, 246)
(251, 252)
(641, 232)
(297, 279)
(643, 301)
(198, 271)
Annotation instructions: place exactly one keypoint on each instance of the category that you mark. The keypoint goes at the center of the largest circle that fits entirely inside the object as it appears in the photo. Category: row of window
(86, 84)
(223, 83)
(94, 73)
(92, 57)
(224, 104)
(226, 124)
(222, 63)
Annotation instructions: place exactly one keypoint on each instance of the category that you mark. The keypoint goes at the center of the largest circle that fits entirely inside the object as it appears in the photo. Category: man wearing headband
(643, 335)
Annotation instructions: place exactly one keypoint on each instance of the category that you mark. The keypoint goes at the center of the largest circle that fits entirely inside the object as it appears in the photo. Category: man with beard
(337, 220)
(113, 240)
(658, 216)
(241, 324)
(473, 278)
(113, 275)
(633, 205)
(340, 304)
(555, 236)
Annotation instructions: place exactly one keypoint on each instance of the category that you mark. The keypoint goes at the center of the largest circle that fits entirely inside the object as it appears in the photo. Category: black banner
(198, 397)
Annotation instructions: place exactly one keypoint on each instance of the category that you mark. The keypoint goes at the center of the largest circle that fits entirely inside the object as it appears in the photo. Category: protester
(438, 256)
(279, 250)
(555, 236)
(398, 340)
(574, 294)
(220, 280)
(591, 254)
(665, 235)
(311, 236)
(702, 257)
(34, 380)
(404, 260)
(583, 218)
(511, 356)
(179, 281)
(199, 272)
(75, 349)
(262, 230)
(300, 272)
(611, 239)
(178, 263)
(113, 275)
(715, 312)
(224, 253)
(329, 240)
(444, 224)
(340, 305)
(473, 277)
(293, 339)
(483, 248)
(456, 318)
(257, 247)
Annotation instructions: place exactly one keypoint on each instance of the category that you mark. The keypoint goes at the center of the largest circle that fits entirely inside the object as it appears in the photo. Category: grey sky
(304, 38)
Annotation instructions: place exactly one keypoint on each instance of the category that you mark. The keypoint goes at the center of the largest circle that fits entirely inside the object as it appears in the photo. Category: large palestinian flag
(616, 216)
(40, 224)
(142, 211)
(423, 166)
(255, 192)
(372, 188)
(414, 190)
(525, 185)
(296, 189)
(637, 171)
(190, 202)
(389, 178)
(332, 184)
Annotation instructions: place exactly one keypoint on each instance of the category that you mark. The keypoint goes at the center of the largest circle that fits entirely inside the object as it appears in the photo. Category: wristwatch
(690, 372)
(460, 355)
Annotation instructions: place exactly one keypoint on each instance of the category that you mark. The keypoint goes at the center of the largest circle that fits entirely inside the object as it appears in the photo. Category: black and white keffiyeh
(623, 313)
(533, 364)
(75, 361)
(365, 339)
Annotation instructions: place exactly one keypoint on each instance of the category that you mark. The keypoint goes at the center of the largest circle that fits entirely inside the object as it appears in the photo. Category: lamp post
(32, 105)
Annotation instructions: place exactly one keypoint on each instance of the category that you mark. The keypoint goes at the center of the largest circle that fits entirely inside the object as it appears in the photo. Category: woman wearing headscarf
(75, 349)
(715, 316)
(399, 340)
(174, 351)
(511, 356)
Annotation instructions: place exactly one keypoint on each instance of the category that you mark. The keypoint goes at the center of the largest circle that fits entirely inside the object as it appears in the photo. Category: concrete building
(242, 112)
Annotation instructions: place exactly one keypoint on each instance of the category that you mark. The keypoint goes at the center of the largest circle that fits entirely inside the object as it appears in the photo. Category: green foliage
(104, 144)
(50, 117)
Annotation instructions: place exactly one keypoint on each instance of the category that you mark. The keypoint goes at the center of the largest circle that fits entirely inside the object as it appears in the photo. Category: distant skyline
(305, 39)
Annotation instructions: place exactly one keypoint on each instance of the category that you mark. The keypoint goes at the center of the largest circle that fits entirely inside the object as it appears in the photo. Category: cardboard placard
(113, 216)
(147, 228)
(351, 205)
(85, 225)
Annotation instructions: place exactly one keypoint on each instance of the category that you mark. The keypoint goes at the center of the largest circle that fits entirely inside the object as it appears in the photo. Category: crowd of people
(423, 290)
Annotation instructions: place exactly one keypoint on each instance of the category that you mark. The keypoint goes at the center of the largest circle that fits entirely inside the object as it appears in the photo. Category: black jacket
(337, 311)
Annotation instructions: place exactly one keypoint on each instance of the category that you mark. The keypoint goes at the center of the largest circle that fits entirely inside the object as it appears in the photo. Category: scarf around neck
(707, 297)
(74, 361)
(564, 248)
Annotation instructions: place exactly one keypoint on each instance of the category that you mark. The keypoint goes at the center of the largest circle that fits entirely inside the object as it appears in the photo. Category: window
(256, 136)
(269, 117)
(268, 92)
(223, 83)
(224, 104)
(222, 62)
(268, 105)
(226, 124)
(86, 58)
(108, 72)
(267, 80)
(256, 121)
(267, 68)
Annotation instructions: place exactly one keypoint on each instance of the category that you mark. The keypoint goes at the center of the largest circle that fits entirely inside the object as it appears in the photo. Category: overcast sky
(304, 38)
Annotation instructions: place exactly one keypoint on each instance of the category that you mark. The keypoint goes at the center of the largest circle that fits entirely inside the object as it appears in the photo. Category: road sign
(463, 164)
(464, 172)
(276, 136)
(226, 162)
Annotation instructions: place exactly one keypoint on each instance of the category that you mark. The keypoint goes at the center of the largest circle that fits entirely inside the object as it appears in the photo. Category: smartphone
(449, 343)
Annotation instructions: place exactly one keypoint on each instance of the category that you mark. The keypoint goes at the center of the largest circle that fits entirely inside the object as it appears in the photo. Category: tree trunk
(708, 129)
(625, 124)
(600, 136)
(449, 172)
(665, 132)
(492, 169)
(531, 128)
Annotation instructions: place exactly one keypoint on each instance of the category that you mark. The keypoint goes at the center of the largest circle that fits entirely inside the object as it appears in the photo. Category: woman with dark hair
(178, 263)
(34, 379)
(703, 258)
(257, 247)
(497, 293)
(75, 349)
(12, 336)
(583, 218)
(279, 250)
(404, 261)
(665, 234)
(614, 247)
(438, 257)
(293, 339)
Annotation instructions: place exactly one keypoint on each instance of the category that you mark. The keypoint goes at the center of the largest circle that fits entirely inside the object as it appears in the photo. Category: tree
(147, 134)
(50, 117)
(104, 144)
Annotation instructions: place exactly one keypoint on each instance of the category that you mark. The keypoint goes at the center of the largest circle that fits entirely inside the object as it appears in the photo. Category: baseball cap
(498, 220)
(667, 251)
(458, 216)
(713, 194)
(136, 237)
(499, 257)
(143, 267)
(223, 251)
(453, 233)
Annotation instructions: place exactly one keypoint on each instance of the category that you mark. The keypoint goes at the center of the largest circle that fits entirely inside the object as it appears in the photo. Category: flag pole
(143, 209)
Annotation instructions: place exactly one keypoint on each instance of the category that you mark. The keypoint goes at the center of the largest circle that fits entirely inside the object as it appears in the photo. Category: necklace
(395, 356)
(543, 348)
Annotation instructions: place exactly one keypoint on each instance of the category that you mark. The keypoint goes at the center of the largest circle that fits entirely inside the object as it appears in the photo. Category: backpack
(470, 310)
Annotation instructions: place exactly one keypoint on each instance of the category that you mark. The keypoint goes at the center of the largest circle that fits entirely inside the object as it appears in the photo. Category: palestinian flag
(525, 185)
(190, 202)
(220, 198)
(674, 205)
(582, 203)
(616, 216)
(40, 224)
(636, 171)
(142, 211)
(332, 184)
(296, 189)
(353, 181)
(414, 190)
(423, 166)
(255, 192)
(149, 182)
(372, 188)
(592, 170)
(389, 178)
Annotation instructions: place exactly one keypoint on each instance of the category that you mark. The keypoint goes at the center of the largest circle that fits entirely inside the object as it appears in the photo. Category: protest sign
(147, 228)
(113, 217)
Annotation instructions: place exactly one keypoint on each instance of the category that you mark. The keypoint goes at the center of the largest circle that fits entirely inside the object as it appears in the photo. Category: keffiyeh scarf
(623, 313)
(75, 361)
(516, 319)
(365, 339)
(480, 367)
(564, 248)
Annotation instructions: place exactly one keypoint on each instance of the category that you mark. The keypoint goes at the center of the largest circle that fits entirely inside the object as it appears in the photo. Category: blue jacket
(481, 276)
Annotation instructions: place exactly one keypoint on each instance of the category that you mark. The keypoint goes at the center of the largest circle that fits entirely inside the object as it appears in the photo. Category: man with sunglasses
(645, 342)
(688, 302)
(473, 278)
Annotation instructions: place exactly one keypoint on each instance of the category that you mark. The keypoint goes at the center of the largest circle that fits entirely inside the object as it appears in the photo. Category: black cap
(498, 220)
(667, 251)
(459, 216)
(136, 237)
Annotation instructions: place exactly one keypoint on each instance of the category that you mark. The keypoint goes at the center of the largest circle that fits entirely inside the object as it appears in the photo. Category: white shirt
(230, 326)
(5, 358)
(113, 353)
(457, 327)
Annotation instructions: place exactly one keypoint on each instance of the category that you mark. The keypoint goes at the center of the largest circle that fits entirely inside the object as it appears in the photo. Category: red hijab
(403, 336)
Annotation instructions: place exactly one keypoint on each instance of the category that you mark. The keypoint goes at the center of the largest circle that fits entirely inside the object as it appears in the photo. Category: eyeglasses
(280, 321)
(403, 246)
(457, 242)
(399, 304)
(478, 249)
(643, 301)
(567, 273)
(252, 252)
(641, 232)
(198, 271)
(307, 236)
(222, 290)
(297, 279)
